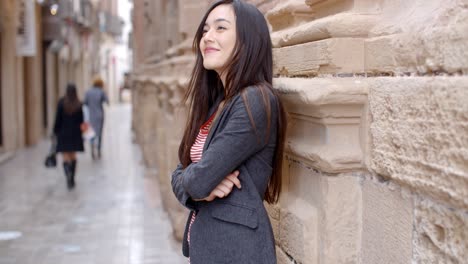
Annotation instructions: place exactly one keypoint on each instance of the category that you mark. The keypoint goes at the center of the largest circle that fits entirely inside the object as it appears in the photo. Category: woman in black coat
(67, 129)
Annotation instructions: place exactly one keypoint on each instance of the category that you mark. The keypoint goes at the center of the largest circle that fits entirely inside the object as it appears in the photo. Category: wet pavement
(113, 216)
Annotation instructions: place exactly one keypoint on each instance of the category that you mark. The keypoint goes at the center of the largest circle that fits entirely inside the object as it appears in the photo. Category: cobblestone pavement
(113, 216)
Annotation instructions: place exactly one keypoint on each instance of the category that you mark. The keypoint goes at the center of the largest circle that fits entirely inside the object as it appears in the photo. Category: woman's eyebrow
(219, 20)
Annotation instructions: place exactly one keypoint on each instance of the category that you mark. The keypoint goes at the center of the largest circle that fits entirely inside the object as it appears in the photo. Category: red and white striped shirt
(196, 152)
(197, 147)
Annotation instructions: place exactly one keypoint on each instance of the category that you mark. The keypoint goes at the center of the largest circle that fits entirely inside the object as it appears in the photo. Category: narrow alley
(113, 216)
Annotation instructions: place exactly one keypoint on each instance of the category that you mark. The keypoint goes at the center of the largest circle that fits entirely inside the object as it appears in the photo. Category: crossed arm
(224, 188)
(216, 174)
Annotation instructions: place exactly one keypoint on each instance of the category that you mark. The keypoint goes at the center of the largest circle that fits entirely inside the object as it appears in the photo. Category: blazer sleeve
(229, 148)
(178, 189)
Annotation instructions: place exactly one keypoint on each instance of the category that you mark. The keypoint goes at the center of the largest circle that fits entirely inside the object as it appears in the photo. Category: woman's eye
(221, 28)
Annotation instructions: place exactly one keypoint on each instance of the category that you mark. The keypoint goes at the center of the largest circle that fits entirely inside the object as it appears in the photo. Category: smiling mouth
(210, 50)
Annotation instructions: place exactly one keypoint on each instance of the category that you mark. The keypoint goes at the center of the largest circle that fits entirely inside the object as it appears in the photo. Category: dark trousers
(97, 141)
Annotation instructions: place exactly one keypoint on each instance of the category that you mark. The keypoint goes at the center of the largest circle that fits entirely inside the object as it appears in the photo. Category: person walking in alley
(231, 151)
(94, 100)
(67, 129)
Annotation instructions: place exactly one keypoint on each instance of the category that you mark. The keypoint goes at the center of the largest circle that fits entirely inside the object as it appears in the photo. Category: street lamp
(54, 9)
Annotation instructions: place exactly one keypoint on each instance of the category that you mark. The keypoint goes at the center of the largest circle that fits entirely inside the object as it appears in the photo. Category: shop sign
(26, 28)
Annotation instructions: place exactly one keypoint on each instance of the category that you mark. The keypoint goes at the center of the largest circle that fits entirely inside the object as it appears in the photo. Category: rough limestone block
(326, 121)
(340, 222)
(159, 97)
(387, 223)
(304, 183)
(419, 134)
(190, 15)
(343, 25)
(274, 213)
(178, 221)
(380, 55)
(340, 55)
(421, 36)
(265, 6)
(289, 13)
(281, 257)
(441, 49)
(173, 207)
(177, 213)
(440, 234)
(148, 123)
(298, 234)
(172, 68)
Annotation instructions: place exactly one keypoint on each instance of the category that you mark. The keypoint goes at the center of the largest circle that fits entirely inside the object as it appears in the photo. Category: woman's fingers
(210, 198)
(235, 181)
(219, 193)
(233, 177)
(228, 184)
(225, 187)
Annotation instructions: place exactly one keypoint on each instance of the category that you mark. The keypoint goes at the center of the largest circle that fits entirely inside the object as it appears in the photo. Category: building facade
(44, 45)
(21, 105)
(377, 147)
(110, 27)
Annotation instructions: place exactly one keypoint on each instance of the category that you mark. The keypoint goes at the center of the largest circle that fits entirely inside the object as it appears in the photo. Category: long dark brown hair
(71, 103)
(251, 64)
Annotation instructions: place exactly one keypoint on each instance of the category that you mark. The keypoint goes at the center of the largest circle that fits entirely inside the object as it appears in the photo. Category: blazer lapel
(216, 123)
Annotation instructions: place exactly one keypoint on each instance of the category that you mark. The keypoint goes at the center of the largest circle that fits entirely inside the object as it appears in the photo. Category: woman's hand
(84, 126)
(225, 187)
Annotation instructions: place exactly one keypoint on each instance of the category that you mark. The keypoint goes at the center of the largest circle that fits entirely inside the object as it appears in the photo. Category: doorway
(45, 96)
(1, 107)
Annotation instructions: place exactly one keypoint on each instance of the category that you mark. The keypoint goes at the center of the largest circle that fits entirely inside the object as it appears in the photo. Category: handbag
(51, 161)
(88, 133)
(51, 158)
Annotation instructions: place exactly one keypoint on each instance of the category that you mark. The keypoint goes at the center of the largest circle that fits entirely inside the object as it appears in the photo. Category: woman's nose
(208, 36)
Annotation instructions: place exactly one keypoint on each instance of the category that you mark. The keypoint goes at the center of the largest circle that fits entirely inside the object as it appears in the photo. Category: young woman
(67, 129)
(231, 150)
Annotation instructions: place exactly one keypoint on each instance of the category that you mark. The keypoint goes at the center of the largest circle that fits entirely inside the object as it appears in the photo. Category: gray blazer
(235, 229)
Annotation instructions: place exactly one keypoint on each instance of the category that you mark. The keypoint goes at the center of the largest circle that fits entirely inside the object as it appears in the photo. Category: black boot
(73, 169)
(68, 173)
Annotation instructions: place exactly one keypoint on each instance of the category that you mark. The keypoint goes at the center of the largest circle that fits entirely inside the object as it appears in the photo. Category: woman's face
(219, 38)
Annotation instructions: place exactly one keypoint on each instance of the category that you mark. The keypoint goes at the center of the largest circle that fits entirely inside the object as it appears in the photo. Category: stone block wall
(376, 166)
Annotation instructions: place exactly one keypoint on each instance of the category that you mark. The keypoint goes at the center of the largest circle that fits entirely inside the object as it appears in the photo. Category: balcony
(110, 24)
(60, 13)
